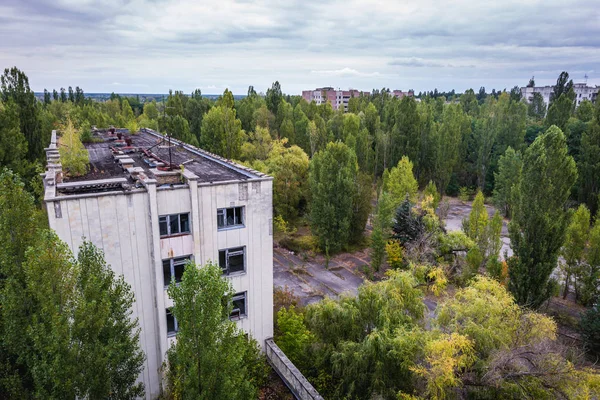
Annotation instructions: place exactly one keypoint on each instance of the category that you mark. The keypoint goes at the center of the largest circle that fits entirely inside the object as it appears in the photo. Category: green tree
(563, 85)
(289, 168)
(539, 221)
(561, 110)
(576, 237)
(208, 359)
(361, 206)
(589, 164)
(332, 179)
(109, 339)
(257, 145)
(222, 132)
(405, 133)
(18, 224)
(247, 107)
(382, 222)
(585, 111)
(589, 272)
(507, 181)
(127, 111)
(475, 225)
(14, 85)
(293, 337)
(273, 97)
(401, 182)
(73, 155)
(537, 107)
(590, 329)
(447, 139)
(13, 145)
(431, 190)
(49, 296)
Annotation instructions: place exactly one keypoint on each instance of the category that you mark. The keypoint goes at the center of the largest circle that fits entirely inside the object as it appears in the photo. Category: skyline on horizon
(151, 46)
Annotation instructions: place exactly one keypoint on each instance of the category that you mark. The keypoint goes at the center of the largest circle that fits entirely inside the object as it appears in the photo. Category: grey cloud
(337, 43)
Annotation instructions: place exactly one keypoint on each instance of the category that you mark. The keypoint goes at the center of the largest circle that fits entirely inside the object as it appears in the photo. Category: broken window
(232, 260)
(239, 306)
(232, 217)
(173, 269)
(172, 326)
(174, 224)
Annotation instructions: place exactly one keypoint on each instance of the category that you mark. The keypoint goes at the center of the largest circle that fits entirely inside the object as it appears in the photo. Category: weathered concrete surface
(460, 210)
(311, 281)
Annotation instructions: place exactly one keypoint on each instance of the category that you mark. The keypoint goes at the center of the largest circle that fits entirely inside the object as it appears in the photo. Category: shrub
(394, 253)
(73, 156)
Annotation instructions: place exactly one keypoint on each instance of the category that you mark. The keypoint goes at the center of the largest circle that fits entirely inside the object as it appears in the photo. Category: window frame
(239, 296)
(223, 212)
(175, 323)
(166, 219)
(225, 270)
(172, 265)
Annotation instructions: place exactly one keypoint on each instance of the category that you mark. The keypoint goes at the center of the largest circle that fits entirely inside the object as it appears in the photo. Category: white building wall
(119, 225)
(125, 227)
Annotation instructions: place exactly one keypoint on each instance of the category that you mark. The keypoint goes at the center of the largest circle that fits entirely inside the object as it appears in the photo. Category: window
(230, 217)
(172, 325)
(239, 306)
(232, 260)
(173, 268)
(174, 224)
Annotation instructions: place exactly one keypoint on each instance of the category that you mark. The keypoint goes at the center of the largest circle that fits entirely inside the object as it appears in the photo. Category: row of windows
(179, 224)
(238, 311)
(231, 261)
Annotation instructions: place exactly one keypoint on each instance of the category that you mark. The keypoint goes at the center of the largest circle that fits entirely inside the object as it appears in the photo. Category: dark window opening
(239, 306)
(230, 217)
(174, 224)
(232, 260)
(172, 326)
(173, 268)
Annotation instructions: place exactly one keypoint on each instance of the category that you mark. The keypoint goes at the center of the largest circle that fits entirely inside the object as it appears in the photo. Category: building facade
(337, 98)
(582, 92)
(149, 219)
(340, 98)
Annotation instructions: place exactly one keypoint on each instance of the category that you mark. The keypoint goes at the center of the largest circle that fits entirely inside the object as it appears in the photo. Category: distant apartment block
(340, 98)
(151, 205)
(400, 94)
(582, 92)
(337, 98)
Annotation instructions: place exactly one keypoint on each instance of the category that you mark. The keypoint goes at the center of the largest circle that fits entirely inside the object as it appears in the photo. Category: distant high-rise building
(582, 92)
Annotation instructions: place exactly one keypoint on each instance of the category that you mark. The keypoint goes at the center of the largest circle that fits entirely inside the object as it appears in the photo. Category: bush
(73, 156)
(464, 193)
(394, 253)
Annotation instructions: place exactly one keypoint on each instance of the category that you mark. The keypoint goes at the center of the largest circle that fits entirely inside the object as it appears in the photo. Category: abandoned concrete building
(151, 203)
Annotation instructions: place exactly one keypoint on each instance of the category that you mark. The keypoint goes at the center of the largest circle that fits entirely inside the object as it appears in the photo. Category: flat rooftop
(120, 159)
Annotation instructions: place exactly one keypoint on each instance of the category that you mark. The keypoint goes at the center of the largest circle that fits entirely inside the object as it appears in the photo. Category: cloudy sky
(150, 46)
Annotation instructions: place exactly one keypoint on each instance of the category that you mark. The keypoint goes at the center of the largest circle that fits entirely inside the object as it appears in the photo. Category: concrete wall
(119, 225)
(293, 378)
(125, 227)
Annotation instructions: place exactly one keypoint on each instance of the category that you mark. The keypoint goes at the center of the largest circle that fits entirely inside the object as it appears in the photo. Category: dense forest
(391, 161)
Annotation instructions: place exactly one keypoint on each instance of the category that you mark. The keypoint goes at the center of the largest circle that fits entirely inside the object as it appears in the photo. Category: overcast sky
(150, 46)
